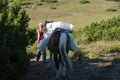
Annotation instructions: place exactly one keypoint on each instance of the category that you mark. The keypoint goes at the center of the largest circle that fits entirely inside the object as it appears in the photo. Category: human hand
(37, 41)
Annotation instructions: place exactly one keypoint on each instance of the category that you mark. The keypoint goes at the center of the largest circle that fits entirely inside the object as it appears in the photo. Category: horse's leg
(51, 56)
(62, 65)
(66, 60)
(57, 66)
(50, 61)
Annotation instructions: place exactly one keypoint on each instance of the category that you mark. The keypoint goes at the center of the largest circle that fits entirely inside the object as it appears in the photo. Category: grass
(73, 12)
(80, 15)
(100, 47)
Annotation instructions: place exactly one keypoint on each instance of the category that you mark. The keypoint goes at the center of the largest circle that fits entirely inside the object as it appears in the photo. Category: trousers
(45, 40)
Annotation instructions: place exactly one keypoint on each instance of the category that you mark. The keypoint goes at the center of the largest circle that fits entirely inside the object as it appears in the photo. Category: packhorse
(58, 45)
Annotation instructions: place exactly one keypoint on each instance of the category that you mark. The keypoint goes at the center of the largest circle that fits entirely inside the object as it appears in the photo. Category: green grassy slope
(79, 15)
(72, 11)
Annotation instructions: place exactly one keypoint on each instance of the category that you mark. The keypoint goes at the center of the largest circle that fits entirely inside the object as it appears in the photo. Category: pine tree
(14, 38)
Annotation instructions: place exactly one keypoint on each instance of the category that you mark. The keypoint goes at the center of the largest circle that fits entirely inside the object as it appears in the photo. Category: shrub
(111, 10)
(49, 1)
(105, 30)
(15, 37)
(84, 1)
(53, 8)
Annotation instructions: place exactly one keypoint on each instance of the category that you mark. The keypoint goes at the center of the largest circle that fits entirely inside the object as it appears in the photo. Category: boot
(38, 55)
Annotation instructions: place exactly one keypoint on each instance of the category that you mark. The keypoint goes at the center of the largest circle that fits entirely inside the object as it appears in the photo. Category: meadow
(71, 11)
(80, 15)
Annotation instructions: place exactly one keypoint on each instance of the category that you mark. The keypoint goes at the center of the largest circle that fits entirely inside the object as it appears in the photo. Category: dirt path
(88, 69)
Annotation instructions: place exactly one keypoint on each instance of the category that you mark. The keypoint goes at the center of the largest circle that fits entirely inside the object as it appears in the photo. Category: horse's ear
(46, 21)
(51, 21)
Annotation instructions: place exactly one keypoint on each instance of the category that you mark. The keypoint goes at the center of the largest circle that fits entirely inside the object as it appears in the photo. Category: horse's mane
(46, 21)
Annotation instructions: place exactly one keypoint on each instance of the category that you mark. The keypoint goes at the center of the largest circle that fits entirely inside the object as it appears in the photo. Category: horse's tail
(63, 53)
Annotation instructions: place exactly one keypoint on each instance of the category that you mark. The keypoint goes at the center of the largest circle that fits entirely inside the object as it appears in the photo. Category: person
(40, 36)
(50, 27)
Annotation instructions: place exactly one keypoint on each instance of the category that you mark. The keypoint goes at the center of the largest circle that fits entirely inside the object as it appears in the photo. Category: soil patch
(101, 68)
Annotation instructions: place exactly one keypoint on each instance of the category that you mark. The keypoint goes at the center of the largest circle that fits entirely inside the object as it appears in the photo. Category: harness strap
(61, 30)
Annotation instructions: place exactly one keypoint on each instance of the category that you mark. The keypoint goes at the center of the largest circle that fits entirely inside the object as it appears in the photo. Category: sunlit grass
(73, 12)
(94, 49)
(80, 15)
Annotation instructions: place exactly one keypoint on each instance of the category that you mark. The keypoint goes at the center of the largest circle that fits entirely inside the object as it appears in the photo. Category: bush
(49, 1)
(105, 30)
(84, 1)
(53, 8)
(15, 37)
(111, 10)
(7, 69)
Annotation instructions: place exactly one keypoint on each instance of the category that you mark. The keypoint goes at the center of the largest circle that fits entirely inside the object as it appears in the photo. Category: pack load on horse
(59, 42)
(62, 26)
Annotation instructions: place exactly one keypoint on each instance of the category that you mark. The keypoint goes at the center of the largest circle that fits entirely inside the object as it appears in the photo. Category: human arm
(38, 36)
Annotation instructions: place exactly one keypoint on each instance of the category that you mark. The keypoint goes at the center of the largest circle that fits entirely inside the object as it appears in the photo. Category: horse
(58, 45)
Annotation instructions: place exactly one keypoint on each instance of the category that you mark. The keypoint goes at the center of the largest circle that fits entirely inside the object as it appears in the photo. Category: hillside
(103, 57)
(80, 15)
(71, 11)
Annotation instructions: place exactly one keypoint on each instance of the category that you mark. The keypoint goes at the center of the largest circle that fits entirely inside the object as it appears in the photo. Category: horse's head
(46, 21)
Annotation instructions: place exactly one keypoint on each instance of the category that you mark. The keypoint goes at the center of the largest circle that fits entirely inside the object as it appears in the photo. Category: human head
(40, 25)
